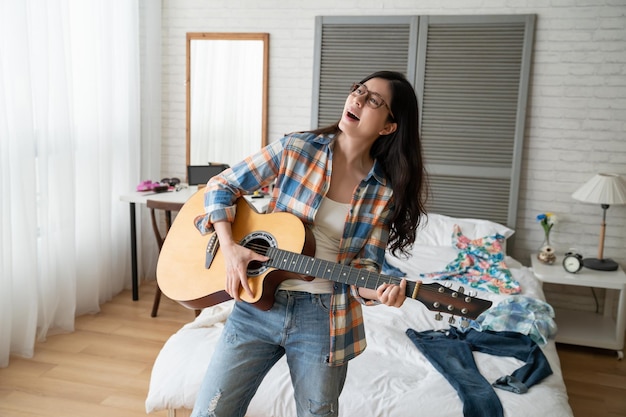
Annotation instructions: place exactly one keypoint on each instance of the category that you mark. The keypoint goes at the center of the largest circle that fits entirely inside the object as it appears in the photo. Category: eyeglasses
(374, 100)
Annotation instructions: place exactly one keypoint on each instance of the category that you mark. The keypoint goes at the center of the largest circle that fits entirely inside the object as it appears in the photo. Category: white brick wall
(576, 121)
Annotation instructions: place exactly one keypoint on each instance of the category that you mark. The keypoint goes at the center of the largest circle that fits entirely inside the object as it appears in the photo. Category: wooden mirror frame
(263, 37)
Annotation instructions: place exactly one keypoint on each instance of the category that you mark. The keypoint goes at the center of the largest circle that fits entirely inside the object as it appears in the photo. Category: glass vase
(546, 253)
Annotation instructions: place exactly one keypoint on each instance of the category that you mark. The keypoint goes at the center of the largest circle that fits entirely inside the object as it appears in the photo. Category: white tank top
(328, 230)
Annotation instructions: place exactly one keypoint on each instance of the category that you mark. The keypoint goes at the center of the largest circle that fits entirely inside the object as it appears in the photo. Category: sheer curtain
(69, 146)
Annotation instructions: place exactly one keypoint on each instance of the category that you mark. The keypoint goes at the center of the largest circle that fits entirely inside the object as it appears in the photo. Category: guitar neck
(434, 296)
(332, 271)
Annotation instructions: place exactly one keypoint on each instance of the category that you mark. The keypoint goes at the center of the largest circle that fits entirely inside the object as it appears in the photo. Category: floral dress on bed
(479, 264)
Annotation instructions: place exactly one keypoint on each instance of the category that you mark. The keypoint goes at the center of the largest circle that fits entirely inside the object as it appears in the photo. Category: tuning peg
(451, 320)
(438, 317)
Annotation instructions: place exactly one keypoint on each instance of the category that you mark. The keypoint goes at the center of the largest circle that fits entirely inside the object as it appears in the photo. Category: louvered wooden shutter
(473, 74)
(349, 48)
(471, 77)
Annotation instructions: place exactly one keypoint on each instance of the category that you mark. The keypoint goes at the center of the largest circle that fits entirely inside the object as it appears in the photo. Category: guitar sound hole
(258, 242)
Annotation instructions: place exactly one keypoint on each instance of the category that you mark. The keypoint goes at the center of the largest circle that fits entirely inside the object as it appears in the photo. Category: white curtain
(69, 146)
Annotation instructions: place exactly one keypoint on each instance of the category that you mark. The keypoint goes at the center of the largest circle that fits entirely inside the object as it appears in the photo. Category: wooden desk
(141, 197)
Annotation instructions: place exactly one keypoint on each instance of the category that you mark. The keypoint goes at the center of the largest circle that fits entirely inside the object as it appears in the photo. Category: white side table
(586, 328)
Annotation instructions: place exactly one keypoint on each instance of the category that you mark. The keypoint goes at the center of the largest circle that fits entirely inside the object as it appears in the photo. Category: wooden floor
(595, 381)
(103, 368)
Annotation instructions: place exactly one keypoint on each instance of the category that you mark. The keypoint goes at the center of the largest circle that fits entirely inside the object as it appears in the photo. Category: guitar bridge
(211, 250)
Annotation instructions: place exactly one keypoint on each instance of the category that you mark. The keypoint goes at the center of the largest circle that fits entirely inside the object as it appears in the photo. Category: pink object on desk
(157, 187)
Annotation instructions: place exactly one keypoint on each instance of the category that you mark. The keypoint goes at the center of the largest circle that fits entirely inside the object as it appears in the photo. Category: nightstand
(586, 328)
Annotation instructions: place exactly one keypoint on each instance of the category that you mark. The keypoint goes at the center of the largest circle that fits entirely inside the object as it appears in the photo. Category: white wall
(576, 122)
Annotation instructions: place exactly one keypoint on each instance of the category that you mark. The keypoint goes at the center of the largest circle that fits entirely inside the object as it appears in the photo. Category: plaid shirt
(301, 164)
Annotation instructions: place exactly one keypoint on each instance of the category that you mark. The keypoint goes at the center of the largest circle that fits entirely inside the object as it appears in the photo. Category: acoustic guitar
(191, 270)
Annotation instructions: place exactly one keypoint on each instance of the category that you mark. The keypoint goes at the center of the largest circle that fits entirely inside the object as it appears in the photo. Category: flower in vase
(547, 221)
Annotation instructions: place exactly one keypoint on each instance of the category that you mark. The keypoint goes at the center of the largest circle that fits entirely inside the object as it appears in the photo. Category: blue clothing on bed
(521, 314)
(450, 352)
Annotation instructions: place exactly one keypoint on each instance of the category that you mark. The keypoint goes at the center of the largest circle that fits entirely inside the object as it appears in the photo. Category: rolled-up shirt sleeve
(223, 190)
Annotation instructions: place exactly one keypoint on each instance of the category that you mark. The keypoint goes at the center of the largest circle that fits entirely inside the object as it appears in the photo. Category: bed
(392, 377)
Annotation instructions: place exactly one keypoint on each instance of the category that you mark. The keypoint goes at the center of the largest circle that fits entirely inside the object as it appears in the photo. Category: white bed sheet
(391, 378)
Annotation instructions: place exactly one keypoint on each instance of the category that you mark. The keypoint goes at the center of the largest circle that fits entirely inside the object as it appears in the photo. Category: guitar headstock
(437, 297)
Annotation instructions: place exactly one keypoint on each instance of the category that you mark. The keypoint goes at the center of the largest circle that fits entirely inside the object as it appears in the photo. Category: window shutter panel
(348, 49)
(473, 76)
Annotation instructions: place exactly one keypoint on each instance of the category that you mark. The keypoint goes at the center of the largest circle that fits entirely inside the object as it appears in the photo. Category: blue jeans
(450, 352)
(253, 341)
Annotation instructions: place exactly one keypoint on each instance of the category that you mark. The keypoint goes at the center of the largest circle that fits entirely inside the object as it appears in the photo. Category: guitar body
(183, 276)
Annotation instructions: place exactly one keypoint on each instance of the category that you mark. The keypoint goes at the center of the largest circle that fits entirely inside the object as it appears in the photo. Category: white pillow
(437, 229)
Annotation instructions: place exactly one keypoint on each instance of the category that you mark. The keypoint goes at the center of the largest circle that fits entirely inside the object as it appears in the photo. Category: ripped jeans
(254, 340)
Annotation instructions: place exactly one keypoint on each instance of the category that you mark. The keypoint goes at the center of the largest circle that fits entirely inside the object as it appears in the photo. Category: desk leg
(133, 251)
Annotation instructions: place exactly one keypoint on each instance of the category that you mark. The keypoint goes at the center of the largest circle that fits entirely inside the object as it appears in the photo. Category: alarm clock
(573, 262)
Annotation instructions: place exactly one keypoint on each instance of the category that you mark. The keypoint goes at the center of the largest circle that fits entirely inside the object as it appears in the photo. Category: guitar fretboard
(332, 271)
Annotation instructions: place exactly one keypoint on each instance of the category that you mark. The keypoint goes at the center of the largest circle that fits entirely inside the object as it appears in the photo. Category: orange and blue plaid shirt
(301, 165)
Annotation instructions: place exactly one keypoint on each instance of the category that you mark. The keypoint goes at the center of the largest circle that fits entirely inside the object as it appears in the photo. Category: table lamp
(603, 189)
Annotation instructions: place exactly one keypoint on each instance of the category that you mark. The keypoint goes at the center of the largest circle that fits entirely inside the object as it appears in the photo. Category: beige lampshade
(603, 189)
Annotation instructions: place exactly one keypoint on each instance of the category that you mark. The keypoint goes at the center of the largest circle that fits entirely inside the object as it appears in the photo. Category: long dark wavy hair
(400, 156)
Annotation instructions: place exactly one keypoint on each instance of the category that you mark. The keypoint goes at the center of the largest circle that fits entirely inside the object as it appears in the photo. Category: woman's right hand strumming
(236, 259)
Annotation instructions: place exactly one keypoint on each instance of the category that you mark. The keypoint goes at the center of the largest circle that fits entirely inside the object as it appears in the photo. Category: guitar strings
(433, 288)
(263, 250)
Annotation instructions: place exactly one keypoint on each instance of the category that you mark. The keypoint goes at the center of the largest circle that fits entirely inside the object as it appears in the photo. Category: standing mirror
(227, 76)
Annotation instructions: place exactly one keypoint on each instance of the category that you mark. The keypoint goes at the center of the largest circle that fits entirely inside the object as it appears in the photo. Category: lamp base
(600, 264)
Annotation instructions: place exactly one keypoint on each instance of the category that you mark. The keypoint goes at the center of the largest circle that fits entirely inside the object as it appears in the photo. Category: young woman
(358, 185)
